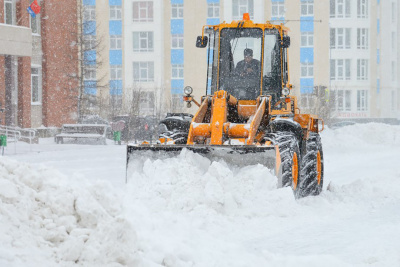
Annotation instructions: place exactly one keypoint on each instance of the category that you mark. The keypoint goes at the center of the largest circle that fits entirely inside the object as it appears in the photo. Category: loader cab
(231, 70)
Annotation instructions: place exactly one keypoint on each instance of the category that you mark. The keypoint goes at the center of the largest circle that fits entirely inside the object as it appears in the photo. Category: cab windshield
(240, 62)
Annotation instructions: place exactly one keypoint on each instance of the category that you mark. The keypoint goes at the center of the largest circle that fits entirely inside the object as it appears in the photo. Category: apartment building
(35, 89)
(338, 46)
(144, 54)
(385, 57)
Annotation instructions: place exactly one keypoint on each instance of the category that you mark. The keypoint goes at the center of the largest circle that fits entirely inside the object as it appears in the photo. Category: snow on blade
(189, 182)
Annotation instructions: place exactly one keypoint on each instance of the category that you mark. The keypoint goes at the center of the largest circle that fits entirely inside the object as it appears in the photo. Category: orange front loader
(248, 117)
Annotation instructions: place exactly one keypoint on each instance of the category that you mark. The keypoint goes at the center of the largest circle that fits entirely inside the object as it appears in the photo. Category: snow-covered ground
(68, 204)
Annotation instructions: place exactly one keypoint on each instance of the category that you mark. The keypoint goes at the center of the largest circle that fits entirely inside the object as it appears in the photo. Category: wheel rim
(295, 170)
(319, 168)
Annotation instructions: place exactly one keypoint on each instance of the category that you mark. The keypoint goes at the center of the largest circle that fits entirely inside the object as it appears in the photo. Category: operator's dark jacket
(242, 66)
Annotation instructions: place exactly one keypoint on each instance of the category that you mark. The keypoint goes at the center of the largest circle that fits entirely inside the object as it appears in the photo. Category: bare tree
(159, 103)
(89, 46)
(176, 103)
(322, 102)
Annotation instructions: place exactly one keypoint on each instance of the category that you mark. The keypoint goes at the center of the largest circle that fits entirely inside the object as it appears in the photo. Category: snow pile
(361, 134)
(60, 221)
(189, 211)
(192, 183)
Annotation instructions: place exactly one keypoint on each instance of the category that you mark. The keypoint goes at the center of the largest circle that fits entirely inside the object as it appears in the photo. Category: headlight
(285, 91)
(188, 90)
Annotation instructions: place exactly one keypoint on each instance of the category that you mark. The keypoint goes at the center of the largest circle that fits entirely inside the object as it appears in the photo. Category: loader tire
(312, 167)
(178, 136)
(290, 159)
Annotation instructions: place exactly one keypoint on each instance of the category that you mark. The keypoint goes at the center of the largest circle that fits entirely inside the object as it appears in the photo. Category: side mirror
(201, 42)
(285, 42)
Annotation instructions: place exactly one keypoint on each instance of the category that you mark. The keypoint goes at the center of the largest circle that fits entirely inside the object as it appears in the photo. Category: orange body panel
(219, 117)
(255, 123)
(307, 121)
(247, 108)
(236, 130)
(198, 118)
(203, 130)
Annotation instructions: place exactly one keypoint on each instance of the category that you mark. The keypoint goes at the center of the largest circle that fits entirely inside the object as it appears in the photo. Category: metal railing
(15, 134)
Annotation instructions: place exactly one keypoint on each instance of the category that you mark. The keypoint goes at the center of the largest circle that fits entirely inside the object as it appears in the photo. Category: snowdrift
(46, 219)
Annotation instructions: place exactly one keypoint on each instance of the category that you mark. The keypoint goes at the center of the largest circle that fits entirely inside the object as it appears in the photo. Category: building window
(143, 42)
(116, 101)
(393, 100)
(89, 42)
(213, 10)
(307, 101)
(362, 9)
(177, 11)
(36, 85)
(344, 100)
(340, 69)
(362, 38)
(177, 41)
(278, 9)
(340, 38)
(146, 101)
(143, 71)
(90, 72)
(394, 12)
(393, 71)
(307, 8)
(307, 39)
(142, 11)
(394, 43)
(89, 13)
(362, 100)
(115, 13)
(115, 72)
(115, 42)
(177, 71)
(176, 102)
(340, 9)
(307, 70)
(239, 7)
(9, 12)
(362, 69)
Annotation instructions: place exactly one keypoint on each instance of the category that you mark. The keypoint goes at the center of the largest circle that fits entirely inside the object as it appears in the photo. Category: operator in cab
(249, 67)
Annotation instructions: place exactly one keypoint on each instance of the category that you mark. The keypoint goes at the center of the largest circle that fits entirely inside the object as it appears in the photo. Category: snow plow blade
(236, 155)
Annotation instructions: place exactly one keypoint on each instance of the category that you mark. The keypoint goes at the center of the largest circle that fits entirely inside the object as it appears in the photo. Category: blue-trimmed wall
(378, 85)
(115, 2)
(177, 86)
(115, 28)
(307, 53)
(89, 28)
(90, 87)
(90, 57)
(306, 85)
(115, 87)
(89, 2)
(213, 21)
(177, 55)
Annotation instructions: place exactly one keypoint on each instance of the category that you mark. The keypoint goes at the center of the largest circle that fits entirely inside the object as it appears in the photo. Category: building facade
(144, 55)
(141, 53)
(343, 52)
(102, 52)
(35, 85)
